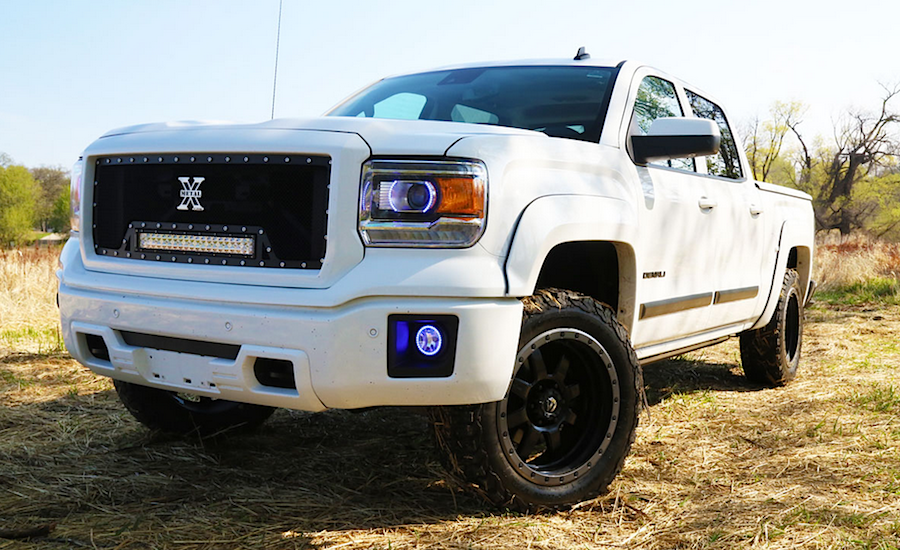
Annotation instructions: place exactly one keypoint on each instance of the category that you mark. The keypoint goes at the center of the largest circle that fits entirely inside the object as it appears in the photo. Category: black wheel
(770, 355)
(561, 433)
(184, 413)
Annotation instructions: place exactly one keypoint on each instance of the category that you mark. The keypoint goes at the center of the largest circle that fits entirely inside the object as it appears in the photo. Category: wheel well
(799, 258)
(588, 267)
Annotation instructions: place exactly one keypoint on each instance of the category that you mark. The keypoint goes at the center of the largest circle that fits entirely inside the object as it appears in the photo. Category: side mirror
(676, 137)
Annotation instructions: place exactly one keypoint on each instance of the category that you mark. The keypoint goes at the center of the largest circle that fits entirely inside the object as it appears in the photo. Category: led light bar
(206, 244)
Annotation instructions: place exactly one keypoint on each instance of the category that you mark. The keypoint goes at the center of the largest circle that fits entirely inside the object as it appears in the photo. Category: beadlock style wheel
(561, 433)
(551, 427)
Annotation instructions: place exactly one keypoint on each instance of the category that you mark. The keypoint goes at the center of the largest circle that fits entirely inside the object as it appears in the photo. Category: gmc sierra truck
(505, 243)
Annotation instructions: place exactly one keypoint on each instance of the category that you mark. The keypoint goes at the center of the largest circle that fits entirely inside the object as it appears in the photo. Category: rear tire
(568, 420)
(184, 414)
(770, 355)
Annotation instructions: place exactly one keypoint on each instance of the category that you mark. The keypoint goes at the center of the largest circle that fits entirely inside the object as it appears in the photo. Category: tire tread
(761, 356)
(459, 430)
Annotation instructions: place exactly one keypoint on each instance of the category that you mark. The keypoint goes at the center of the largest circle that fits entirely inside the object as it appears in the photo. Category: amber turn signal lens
(461, 196)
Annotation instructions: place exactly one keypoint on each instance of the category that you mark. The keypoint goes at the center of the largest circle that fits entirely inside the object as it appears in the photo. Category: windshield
(559, 101)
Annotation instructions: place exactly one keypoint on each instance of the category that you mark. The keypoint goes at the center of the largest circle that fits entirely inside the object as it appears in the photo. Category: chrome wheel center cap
(550, 404)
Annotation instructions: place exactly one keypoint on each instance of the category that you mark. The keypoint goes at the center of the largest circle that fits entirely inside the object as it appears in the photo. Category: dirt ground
(718, 463)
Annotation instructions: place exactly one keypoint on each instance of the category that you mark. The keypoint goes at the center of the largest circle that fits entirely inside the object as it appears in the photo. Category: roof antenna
(582, 54)
(277, 43)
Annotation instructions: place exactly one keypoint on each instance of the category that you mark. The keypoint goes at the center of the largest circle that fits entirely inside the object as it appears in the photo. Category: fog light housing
(421, 346)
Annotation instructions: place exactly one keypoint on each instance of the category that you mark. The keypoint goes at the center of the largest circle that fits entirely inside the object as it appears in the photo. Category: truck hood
(383, 136)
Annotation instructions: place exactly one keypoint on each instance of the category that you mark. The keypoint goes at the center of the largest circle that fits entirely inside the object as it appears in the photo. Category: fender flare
(556, 219)
(794, 234)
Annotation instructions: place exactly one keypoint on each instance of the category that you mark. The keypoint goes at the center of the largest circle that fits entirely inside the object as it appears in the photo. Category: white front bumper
(338, 353)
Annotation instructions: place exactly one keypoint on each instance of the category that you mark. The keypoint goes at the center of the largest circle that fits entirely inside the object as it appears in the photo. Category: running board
(695, 347)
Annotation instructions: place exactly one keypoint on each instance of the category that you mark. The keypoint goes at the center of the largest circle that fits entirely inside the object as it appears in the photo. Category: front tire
(771, 355)
(568, 420)
(184, 414)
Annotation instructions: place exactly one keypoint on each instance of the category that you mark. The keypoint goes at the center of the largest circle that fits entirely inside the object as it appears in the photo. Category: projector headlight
(427, 203)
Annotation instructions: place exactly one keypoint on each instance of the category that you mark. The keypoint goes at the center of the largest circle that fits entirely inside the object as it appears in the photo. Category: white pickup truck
(507, 243)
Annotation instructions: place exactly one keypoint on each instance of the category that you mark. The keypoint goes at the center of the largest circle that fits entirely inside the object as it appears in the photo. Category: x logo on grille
(190, 193)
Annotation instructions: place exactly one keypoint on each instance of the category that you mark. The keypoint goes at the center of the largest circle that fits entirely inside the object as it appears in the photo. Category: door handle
(756, 210)
(706, 203)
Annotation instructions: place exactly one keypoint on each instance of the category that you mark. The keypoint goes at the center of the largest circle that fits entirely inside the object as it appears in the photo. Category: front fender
(553, 220)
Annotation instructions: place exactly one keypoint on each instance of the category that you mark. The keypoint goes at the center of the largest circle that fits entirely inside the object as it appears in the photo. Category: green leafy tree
(53, 183)
(876, 204)
(17, 204)
(59, 214)
(764, 142)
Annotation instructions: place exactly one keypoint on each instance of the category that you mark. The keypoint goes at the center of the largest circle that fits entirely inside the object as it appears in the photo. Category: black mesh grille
(279, 199)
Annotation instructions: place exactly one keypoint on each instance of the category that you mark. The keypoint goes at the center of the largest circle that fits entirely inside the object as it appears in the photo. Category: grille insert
(260, 210)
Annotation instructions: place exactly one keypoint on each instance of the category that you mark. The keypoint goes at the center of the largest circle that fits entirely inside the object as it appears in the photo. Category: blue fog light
(401, 340)
(421, 346)
(429, 340)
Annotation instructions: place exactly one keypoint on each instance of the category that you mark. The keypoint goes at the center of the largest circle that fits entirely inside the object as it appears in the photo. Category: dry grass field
(718, 462)
(29, 320)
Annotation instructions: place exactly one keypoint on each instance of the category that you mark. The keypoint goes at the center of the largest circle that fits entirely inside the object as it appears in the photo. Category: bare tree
(863, 141)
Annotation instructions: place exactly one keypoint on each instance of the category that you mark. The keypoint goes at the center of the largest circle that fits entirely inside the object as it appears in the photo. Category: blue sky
(71, 70)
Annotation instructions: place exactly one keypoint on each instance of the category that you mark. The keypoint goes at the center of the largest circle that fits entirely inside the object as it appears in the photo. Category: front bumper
(338, 353)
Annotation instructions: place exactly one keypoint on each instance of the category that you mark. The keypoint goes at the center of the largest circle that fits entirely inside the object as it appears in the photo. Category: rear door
(739, 220)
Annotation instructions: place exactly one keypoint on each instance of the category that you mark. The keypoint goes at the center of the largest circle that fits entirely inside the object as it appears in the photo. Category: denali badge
(191, 193)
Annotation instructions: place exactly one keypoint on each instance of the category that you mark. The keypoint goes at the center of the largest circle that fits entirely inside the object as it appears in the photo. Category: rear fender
(794, 235)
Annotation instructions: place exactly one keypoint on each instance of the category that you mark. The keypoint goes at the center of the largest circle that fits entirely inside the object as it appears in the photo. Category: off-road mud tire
(170, 412)
(770, 355)
(478, 442)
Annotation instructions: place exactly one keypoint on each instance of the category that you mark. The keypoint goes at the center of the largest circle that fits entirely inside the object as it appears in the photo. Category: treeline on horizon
(853, 175)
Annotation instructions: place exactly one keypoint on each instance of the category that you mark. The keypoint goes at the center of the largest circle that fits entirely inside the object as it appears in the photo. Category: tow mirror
(676, 137)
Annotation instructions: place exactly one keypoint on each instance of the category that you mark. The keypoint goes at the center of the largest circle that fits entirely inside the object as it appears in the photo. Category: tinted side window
(656, 98)
(727, 163)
